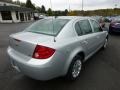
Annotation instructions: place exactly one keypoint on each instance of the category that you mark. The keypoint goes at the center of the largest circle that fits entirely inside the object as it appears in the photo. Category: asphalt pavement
(100, 72)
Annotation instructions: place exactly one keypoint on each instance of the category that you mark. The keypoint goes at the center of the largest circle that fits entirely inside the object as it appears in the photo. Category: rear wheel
(75, 68)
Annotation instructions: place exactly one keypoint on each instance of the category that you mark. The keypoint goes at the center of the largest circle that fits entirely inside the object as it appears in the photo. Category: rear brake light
(42, 52)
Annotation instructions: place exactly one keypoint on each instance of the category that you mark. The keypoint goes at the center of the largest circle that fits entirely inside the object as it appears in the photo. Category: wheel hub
(76, 68)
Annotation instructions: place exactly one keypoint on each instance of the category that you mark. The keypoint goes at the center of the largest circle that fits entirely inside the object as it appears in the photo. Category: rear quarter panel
(69, 48)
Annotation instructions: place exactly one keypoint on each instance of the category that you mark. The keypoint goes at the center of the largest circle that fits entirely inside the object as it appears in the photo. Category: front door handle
(98, 37)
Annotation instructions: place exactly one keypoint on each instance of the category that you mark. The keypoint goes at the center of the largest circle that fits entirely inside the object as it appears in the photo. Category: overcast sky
(76, 4)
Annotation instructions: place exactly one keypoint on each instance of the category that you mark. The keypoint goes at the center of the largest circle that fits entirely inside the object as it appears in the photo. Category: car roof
(70, 17)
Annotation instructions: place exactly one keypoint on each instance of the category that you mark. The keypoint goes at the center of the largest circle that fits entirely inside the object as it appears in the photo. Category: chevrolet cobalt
(54, 47)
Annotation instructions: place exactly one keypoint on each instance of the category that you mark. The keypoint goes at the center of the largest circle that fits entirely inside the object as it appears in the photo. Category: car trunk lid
(25, 42)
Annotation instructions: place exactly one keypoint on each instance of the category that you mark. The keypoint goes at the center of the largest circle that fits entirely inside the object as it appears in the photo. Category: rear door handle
(85, 42)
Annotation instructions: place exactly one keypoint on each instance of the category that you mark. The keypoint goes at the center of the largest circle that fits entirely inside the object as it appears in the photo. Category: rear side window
(77, 28)
(85, 26)
(96, 26)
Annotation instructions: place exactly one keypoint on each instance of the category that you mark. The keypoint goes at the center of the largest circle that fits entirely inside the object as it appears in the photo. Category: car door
(99, 34)
(86, 36)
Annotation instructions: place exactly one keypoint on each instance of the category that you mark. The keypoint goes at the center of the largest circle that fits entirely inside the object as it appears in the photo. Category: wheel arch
(82, 54)
(72, 56)
(107, 37)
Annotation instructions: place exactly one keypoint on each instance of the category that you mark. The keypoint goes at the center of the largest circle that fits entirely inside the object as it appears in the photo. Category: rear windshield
(48, 26)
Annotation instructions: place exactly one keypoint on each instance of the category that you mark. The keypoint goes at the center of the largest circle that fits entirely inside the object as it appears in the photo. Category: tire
(105, 44)
(74, 69)
(110, 32)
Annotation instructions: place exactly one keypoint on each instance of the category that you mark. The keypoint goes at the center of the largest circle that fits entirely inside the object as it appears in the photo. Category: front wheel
(74, 69)
(105, 44)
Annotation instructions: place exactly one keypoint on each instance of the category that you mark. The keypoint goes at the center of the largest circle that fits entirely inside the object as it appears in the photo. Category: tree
(17, 2)
(73, 13)
(49, 12)
(29, 4)
(43, 10)
(6, 0)
(22, 4)
(38, 9)
(65, 12)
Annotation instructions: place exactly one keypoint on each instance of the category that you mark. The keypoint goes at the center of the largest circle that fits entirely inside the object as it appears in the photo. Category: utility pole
(69, 5)
(82, 8)
(82, 5)
(115, 9)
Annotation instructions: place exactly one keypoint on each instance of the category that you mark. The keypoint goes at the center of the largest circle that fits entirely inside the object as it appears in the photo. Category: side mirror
(103, 25)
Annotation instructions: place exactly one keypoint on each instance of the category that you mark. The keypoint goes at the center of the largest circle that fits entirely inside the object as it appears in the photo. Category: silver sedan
(54, 47)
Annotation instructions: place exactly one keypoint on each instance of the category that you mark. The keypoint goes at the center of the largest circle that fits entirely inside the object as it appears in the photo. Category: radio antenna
(52, 20)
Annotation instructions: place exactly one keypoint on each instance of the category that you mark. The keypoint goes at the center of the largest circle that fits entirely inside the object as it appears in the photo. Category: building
(6, 0)
(12, 13)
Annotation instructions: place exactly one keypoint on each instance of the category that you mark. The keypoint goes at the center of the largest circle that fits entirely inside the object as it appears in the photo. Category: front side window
(96, 26)
(85, 26)
(48, 26)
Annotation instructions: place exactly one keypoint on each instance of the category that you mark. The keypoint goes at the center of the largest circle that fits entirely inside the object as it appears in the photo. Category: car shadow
(115, 34)
(26, 83)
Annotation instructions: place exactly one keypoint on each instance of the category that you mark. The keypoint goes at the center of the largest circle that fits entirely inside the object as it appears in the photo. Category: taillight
(42, 52)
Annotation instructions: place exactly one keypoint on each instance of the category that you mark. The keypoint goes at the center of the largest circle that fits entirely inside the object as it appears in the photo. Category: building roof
(9, 1)
(15, 8)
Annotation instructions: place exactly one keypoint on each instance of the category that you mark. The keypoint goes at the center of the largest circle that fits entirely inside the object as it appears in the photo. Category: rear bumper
(37, 69)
